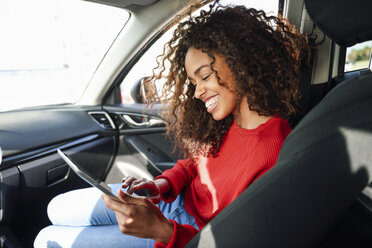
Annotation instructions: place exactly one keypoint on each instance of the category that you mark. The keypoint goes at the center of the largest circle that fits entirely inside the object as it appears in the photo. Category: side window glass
(49, 49)
(358, 56)
(142, 69)
(130, 87)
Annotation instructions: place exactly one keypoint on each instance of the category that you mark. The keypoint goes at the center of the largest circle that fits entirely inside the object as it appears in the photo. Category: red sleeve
(178, 177)
(182, 234)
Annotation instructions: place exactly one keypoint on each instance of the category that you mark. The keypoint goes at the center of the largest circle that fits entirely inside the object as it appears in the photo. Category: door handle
(152, 122)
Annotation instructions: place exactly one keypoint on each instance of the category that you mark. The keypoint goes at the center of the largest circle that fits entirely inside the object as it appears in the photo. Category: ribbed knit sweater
(213, 183)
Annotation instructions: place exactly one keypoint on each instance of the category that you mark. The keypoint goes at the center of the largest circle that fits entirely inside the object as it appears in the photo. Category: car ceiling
(124, 3)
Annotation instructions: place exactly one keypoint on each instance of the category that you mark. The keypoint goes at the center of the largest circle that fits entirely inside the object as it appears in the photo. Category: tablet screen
(86, 176)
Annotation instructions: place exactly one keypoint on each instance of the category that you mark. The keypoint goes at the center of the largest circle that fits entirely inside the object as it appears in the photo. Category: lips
(211, 103)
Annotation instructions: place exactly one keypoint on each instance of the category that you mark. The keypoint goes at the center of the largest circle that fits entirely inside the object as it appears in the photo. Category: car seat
(324, 164)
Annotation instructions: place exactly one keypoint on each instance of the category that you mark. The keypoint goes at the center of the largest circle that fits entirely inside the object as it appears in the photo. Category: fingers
(112, 204)
(127, 181)
(128, 205)
(134, 200)
(138, 184)
(130, 181)
(136, 216)
(142, 187)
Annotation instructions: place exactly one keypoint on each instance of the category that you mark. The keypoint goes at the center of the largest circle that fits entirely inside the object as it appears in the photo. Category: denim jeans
(81, 219)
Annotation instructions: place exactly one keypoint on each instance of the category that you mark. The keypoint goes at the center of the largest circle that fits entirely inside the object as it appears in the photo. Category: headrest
(347, 22)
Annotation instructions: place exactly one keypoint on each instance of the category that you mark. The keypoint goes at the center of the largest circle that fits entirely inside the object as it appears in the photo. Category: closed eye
(206, 77)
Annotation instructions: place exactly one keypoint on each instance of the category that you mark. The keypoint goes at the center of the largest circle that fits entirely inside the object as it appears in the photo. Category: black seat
(323, 166)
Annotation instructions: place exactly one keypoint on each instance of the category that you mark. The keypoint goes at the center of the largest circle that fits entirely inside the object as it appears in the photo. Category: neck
(247, 118)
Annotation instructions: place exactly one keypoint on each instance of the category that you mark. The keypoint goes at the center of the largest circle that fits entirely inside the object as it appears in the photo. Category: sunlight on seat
(355, 139)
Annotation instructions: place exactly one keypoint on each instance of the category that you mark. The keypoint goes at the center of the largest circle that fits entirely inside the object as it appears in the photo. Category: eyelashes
(203, 78)
(207, 77)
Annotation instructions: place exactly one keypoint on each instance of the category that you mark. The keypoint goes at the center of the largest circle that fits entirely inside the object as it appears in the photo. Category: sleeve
(179, 176)
(182, 234)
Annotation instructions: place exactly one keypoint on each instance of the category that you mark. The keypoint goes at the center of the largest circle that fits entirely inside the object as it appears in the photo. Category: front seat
(324, 164)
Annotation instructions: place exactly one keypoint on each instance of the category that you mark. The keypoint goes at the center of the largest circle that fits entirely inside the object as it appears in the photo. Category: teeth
(210, 102)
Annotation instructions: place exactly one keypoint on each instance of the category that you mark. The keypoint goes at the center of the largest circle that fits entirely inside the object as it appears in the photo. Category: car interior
(319, 193)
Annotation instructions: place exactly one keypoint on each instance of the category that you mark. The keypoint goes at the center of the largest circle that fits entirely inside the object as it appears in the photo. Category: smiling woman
(232, 90)
(48, 52)
(220, 100)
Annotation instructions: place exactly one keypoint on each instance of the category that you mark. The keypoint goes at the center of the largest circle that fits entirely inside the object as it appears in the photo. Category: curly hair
(263, 53)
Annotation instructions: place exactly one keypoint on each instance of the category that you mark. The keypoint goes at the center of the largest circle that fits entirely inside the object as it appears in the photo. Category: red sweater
(244, 156)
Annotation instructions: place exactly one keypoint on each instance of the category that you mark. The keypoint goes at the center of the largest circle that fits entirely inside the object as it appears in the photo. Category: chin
(218, 117)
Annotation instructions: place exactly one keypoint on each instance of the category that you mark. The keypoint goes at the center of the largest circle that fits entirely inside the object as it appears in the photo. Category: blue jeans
(81, 219)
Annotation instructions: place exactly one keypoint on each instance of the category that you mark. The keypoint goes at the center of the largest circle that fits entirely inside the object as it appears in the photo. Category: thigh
(81, 219)
(85, 207)
(82, 207)
(107, 236)
(176, 211)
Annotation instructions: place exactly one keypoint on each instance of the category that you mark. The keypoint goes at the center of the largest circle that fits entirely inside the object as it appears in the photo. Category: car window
(358, 56)
(143, 68)
(49, 49)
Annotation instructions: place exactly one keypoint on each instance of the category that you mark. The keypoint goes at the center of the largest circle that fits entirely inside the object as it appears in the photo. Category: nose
(199, 91)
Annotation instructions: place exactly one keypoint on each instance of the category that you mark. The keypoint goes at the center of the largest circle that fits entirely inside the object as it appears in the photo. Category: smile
(211, 103)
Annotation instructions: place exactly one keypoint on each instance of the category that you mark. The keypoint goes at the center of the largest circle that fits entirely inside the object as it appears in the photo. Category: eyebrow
(198, 70)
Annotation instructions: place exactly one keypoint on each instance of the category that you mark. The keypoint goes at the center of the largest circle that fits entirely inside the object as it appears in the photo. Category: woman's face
(220, 101)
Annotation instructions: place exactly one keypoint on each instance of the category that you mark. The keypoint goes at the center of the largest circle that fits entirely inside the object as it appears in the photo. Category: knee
(58, 207)
(66, 207)
(43, 240)
(53, 208)
(81, 207)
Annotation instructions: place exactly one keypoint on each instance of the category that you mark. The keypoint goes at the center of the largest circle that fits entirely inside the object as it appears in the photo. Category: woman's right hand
(135, 185)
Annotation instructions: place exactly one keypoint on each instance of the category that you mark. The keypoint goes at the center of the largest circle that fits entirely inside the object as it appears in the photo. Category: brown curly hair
(264, 54)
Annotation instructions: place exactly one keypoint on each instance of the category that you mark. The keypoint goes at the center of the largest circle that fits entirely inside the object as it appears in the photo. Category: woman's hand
(154, 188)
(138, 216)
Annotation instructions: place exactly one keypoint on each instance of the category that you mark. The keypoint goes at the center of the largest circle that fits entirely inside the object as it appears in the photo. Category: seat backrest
(324, 163)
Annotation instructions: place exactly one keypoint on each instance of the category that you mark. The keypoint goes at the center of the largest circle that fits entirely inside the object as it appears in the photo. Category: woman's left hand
(138, 216)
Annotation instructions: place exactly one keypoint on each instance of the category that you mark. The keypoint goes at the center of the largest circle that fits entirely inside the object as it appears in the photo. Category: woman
(234, 75)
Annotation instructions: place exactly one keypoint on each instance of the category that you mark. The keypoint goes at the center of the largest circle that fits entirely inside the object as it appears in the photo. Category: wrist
(163, 185)
(165, 233)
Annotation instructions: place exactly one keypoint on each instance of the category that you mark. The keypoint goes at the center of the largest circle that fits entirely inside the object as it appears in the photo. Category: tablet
(86, 177)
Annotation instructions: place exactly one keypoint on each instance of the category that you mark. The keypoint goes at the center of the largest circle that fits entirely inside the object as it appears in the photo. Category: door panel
(149, 152)
(144, 149)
